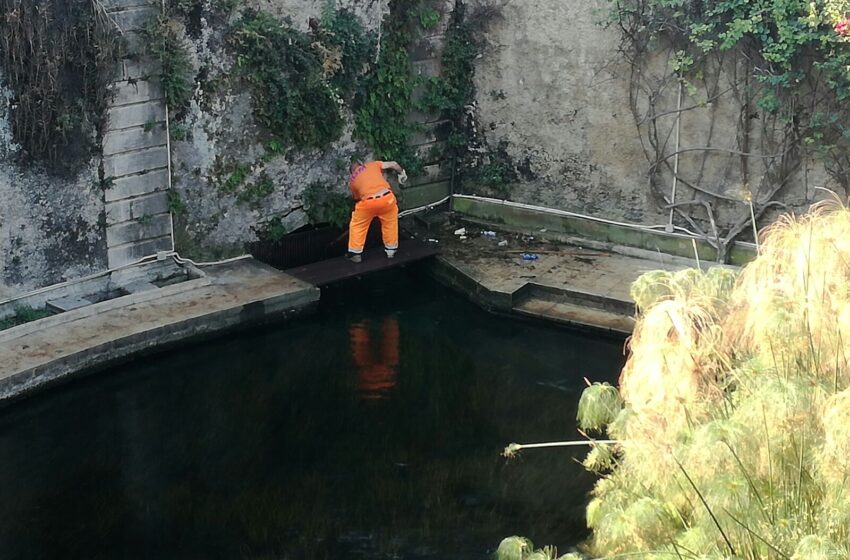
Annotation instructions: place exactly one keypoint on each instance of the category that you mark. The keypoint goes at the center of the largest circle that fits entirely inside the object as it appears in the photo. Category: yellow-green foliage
(734, 437)
(599, 405)
(520, 548)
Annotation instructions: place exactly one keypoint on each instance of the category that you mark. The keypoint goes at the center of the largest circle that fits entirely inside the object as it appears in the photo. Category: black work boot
(354, 257)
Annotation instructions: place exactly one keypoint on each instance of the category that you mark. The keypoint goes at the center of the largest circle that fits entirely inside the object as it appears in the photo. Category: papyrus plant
(734, 432)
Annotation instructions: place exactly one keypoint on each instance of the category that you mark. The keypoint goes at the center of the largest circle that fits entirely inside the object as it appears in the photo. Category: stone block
(431, 153)
(424, 195)
(135, 185)
(67, 303)
(432, 133)
(140, 91)
(420, 117)
(115, 5)
(136, 231)
(135, 162)
(129, 116)
(118, 256)
(427, 47)
(431, 174)
(156, 203)
(429, 68)
(135, 18)
(119, 211)
(132, 139)
(141, 69)
(135, 208)
(135, 44)
(139, 286)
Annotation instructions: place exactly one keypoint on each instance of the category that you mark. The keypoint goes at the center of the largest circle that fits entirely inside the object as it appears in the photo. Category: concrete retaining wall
(529, 219)
(555, 93)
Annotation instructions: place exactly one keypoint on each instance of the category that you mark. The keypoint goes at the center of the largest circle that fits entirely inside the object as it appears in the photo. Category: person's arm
(392, 165)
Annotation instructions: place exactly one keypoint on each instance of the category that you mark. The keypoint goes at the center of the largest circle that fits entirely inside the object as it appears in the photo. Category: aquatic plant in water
(734, 430)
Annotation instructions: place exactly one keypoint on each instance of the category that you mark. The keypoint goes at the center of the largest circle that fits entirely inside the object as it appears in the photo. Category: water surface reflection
(372, 430)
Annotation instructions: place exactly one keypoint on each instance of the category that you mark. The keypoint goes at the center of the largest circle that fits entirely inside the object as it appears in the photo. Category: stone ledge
(94, 286)
(527, 218)
(240, 294)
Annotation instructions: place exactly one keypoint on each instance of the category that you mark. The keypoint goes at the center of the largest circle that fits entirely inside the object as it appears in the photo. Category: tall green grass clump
(734, 430)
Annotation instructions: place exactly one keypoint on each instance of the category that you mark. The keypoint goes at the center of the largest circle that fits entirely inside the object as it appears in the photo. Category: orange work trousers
(385, 209)
(376, 374)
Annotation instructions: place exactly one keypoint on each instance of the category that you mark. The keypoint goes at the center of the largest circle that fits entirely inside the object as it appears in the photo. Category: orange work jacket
(368, 180)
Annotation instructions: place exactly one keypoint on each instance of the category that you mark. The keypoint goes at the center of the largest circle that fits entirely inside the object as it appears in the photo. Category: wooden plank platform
(333, 270)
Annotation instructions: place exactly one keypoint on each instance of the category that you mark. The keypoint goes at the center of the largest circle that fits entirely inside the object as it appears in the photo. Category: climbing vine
(451, 93)
(176, 73)
(58, 58)
(300, 81)
(382, 117)
(786, 65)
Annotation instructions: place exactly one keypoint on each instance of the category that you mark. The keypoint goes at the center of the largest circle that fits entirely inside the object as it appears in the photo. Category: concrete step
(139, 286)
(575, 315)
(574, 296)
(67, 303)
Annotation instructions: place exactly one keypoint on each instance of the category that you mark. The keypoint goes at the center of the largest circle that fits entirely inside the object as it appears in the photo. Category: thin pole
(514, 448)
(669, 228)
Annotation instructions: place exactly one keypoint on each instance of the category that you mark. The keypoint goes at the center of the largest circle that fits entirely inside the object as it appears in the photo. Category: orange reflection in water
(376, 371)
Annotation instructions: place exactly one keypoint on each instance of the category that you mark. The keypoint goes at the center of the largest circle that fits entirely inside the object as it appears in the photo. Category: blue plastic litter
(529, 256)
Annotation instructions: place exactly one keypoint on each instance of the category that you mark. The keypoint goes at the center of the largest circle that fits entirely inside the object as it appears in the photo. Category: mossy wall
(262, 145)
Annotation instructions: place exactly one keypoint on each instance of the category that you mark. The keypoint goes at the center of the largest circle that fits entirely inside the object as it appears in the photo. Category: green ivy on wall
(454, 90)
(176, 74)
(382, 117)
(292, 99)
(300, 81)
(798, 53)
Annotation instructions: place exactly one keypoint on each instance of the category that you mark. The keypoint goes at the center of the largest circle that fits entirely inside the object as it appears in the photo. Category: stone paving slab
(236, 294)
(558, 265)
(590, 275)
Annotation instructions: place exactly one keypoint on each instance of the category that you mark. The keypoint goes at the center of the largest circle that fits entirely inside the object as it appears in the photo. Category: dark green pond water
(370, 430)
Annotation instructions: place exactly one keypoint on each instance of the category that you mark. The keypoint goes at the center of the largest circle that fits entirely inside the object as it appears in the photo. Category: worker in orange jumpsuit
(375, 199)
(376, 374)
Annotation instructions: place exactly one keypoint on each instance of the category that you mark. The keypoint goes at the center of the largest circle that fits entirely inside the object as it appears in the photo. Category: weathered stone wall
(219, 132)
(113, 212)
(553, 95)
(51, 229)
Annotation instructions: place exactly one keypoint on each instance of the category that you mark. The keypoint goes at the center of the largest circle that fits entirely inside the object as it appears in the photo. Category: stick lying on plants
(514, 448)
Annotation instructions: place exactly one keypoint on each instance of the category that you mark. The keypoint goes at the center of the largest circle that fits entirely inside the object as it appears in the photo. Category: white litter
(503, 243)
(488, 233)
(434, 240)
(461, 231)
(462, 237)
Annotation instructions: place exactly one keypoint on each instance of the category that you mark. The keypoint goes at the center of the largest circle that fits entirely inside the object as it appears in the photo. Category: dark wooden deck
(333, 270)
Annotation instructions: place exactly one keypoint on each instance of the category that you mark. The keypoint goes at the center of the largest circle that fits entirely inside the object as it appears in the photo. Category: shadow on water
(370, 430)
